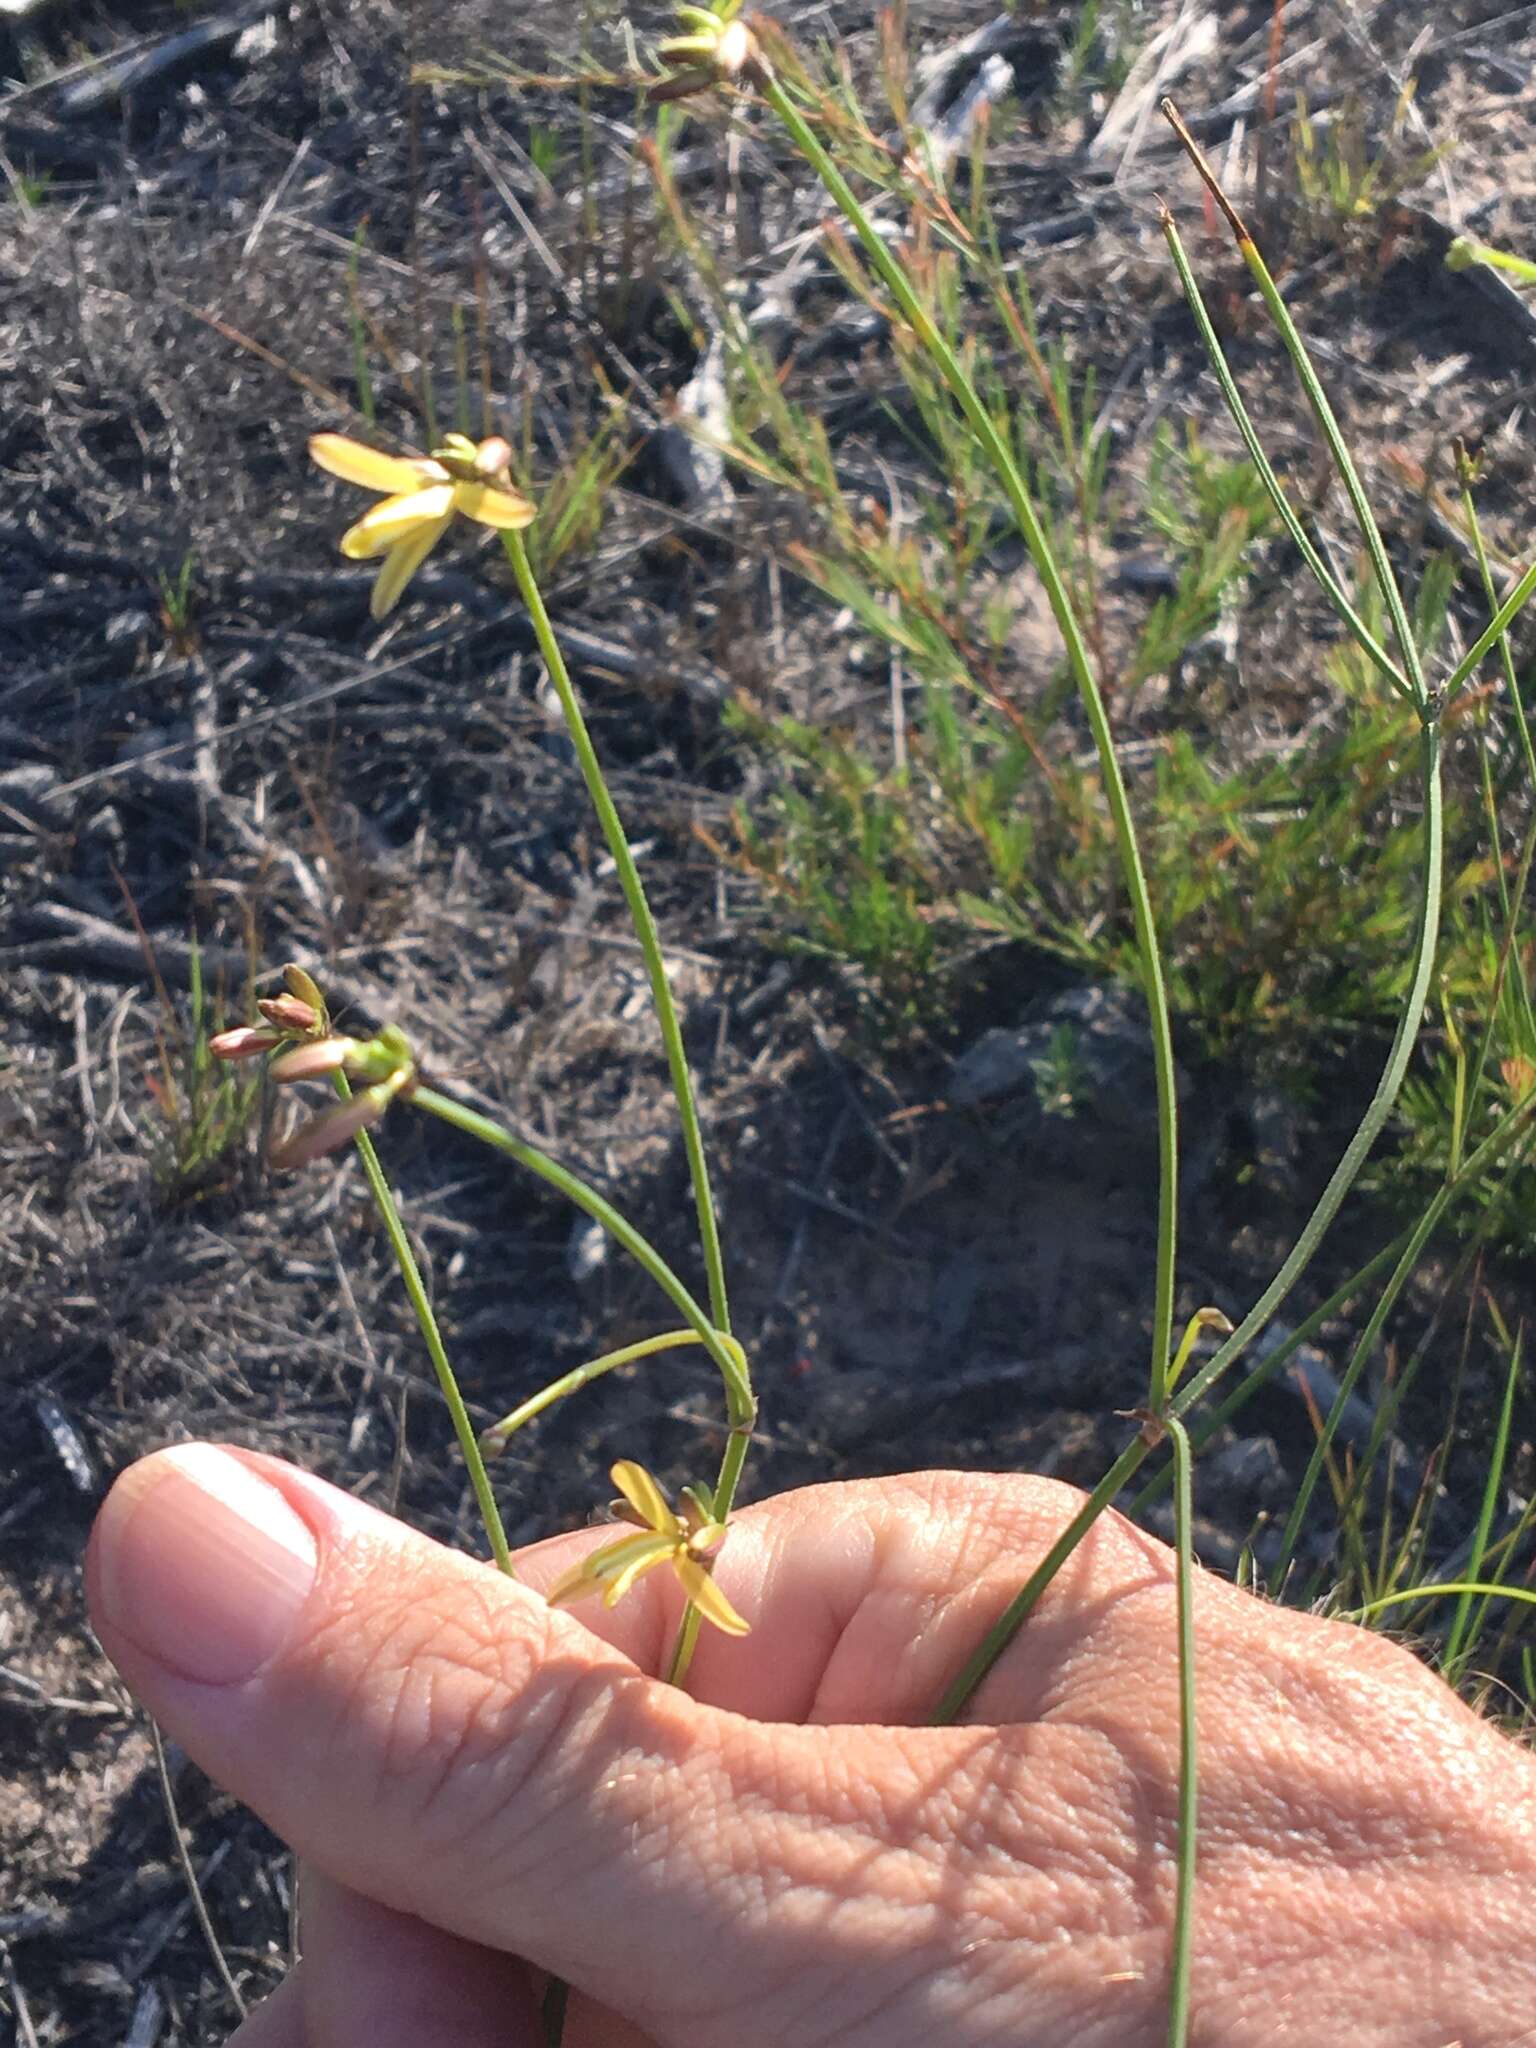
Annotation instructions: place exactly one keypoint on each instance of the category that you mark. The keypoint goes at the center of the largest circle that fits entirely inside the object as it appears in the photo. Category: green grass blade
(1497, 626)
(497, 1437)
(1260, 1376)
(1471, 1589)
(1461, 1632)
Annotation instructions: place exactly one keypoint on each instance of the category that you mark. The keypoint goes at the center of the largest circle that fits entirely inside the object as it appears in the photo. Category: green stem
(1322, 411)
(410, 1273)
(722, 1348)
(1302, 540)
(1343, 462)
(1496, 631)
(1472, 1589)
(1380, 1106)
(1471, 1171)
(1030, 527)
(1012, 1619)
(644, 923)
(1184, 1895)
(496, 1438)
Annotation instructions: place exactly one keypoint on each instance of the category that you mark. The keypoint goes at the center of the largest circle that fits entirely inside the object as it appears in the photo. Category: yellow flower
(423, 495)
(683, 1541)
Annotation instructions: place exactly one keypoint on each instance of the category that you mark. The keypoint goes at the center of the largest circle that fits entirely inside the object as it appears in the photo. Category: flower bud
(331, 1130)
(243, 1042)
(319, 1056)
(305, 988)
(289, 1013)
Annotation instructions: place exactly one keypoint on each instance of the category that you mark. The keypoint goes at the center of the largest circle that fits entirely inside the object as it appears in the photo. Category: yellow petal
(401, 565)
(645, 1497)
(657, 1551)
(394, 519)
(369, 467)
(708, 1598)
(607, 1561)
(492, 507)
(572, 1585)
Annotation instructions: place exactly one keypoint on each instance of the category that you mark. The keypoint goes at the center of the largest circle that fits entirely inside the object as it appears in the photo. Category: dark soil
(918, 1283)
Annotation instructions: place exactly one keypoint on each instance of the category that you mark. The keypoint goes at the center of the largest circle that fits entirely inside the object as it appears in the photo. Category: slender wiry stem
(1032, 530)
(644, 923)
(410, 1273)
(500, 1434)
(723, 1349)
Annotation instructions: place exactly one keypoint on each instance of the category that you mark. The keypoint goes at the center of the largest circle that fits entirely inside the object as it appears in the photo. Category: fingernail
(202, 1563)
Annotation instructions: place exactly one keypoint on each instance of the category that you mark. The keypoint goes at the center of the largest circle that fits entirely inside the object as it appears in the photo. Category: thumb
(434, 1736)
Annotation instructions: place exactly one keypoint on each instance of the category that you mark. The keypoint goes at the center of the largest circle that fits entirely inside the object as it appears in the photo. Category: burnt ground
(919, 1283)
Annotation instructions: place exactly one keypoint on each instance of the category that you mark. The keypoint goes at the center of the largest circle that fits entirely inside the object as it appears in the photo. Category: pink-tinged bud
(244, 1042)
(493, 458)
(305, 988)
(329, 1132)
(309, 1062)
(289, 1013)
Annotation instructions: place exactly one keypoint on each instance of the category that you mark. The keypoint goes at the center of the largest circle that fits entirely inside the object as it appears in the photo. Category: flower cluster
(298, 1015)
(297, 1029)
(686, 1542)
(462, 476)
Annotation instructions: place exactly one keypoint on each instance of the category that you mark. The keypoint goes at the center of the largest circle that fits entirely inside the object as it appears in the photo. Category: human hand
(790, 1858)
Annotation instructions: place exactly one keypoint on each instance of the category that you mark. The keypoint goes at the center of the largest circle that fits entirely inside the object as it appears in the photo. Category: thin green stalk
(722, 1348)
(644, 923)
(1322, 411)
(1407, 1265)
(1002, 1632)
(1263, 1373)
(189, 1870)
(497, 1437)
(1188, 1848)
(1349, 476)
(1490, 1501)
(1472, 1589)
(1000, 455)
(1496, 627)
(1355, 1152)
(410, 1273)
(1472, 1169)
(1506, 656)
(1380, 1106)
(1326, 581)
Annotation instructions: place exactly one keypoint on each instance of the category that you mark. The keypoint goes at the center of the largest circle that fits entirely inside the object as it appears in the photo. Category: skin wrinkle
(976, 1886)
